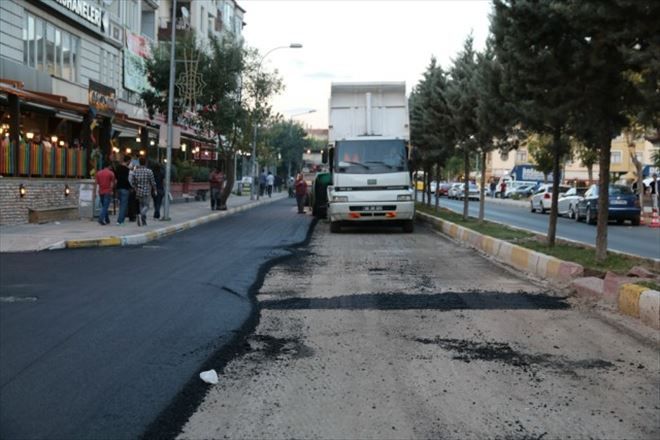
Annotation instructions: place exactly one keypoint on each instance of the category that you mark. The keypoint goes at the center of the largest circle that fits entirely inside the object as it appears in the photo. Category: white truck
(368, 154)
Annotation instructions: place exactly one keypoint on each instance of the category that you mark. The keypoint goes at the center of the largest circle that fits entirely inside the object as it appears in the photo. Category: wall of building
(40, 193)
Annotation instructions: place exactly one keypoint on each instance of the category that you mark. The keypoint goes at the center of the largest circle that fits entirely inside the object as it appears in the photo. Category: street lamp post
(170, 111)
(255, 167)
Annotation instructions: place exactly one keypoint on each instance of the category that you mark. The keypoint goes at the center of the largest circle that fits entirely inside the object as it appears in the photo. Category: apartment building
(500, 164)
(70, 80)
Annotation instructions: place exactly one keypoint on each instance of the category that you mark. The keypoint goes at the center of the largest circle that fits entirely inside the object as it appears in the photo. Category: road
(97, 343)
(636, 240)
(378, 334)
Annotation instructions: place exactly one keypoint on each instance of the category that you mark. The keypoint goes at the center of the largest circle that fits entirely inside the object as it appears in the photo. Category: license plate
(619, 202)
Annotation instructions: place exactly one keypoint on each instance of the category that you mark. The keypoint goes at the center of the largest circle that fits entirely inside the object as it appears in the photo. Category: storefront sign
(84, 9)
(102, 98)
(136, 51)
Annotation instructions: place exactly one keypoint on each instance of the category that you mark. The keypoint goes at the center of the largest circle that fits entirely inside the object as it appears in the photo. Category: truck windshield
(373, 156)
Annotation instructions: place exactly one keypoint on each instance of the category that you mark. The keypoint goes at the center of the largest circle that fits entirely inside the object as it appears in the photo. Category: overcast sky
(345, 40)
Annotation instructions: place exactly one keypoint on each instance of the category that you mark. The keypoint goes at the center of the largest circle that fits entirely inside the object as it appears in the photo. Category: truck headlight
(404, 198)
(340, 199)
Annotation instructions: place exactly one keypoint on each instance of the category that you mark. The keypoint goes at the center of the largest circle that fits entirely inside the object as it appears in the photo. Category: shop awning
(44, 101)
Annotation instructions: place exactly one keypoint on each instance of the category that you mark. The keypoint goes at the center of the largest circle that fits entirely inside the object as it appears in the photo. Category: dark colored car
(623, 205)
(443, 189)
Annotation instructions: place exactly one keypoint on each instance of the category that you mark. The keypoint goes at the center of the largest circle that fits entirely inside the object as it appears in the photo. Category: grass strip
(650, 284)
(583, 255)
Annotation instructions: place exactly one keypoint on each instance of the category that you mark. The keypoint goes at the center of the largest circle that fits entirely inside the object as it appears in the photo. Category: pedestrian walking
(144, 184)
(654, 189)
(493, 188)
(278, 183)
(216, 182)
(123, 188)
(157, 196)
(301, 193)
(270, 183)
(105, 180)
(503, 189)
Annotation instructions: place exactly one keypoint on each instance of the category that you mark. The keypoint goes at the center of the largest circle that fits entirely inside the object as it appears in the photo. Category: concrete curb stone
(649, 308)
(631, 299)
(521, 258)
(138, 239)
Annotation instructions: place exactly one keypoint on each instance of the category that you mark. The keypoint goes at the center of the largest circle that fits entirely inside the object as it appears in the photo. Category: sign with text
(102, 98)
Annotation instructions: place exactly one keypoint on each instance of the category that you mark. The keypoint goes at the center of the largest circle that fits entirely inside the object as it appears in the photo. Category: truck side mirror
(324, 156)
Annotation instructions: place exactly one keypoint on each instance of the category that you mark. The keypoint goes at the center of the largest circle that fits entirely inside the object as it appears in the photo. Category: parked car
(623, 205)
(433, 186)
(522, 191)
(568, 201)
(542, 198)
(473, 191)
(443, 188)
(453, 190)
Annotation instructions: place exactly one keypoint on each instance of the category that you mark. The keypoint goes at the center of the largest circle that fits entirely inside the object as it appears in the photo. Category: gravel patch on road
(377, 334)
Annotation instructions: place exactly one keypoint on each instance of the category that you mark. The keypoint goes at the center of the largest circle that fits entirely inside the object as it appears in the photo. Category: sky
(350, 40)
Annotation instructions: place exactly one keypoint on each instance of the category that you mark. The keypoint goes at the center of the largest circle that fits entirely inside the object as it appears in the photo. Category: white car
(542, 198)
(473, 191)
(567, 204)
(454, 190)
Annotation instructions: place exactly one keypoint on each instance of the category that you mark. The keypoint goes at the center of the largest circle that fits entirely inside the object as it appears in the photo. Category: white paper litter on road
(209, 376)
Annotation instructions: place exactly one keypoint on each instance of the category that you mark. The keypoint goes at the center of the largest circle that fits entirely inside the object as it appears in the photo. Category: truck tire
(408, 226)
(335, 227)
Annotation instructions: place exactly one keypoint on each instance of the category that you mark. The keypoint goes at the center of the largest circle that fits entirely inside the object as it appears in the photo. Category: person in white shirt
(270, 182)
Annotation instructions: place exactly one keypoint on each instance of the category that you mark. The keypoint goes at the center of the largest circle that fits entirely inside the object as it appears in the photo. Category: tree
(617, 60)
(536, 44)
(494, 122)
(431, 132)
(587, 156)
(462, 100)
(539, 147)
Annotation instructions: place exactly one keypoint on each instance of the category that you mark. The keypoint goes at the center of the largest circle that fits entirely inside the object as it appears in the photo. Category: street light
(255, 168)
(170, 111)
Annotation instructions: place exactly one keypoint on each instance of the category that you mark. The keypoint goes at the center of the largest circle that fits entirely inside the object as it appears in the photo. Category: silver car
(542, 198)
(567, 204)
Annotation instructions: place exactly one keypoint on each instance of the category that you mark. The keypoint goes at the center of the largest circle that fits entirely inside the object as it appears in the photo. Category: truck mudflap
(379, 211)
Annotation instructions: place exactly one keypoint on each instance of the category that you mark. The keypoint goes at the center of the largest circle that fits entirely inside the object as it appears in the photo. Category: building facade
(70, 83)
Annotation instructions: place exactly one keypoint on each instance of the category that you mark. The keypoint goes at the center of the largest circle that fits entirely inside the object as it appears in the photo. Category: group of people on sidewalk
(134, 185)
(269, 183)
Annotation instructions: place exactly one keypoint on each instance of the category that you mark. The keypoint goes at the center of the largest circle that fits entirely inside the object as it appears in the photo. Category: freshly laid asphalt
(636, 240)
(96, 343)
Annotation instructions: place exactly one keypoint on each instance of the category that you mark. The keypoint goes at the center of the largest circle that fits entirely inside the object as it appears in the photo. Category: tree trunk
(229, 180)
(427, 184)
(640, 183)
(437, 186)
(482, 190)
(552, 223)
(603, 199)
(590, 174)
(414, 182)
(466, 186)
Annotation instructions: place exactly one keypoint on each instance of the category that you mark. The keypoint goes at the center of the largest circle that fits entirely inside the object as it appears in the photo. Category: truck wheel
(408, 226)
(335, 227)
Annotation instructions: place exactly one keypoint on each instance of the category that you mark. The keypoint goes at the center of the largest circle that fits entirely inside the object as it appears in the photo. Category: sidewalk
(89, 233)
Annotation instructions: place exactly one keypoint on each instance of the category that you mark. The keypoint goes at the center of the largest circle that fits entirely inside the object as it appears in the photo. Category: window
(228, 15)
(49, 48)
(521, 156)
(615, 157)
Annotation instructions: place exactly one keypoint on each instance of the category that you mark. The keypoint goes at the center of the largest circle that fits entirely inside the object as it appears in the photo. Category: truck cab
(369, 155)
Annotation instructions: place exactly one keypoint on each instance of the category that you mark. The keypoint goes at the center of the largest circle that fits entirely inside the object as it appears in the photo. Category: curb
(640, 302)
(138, 239)
(526, 260)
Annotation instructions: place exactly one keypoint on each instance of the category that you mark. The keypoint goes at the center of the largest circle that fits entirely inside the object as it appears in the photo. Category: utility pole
(170, 111)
